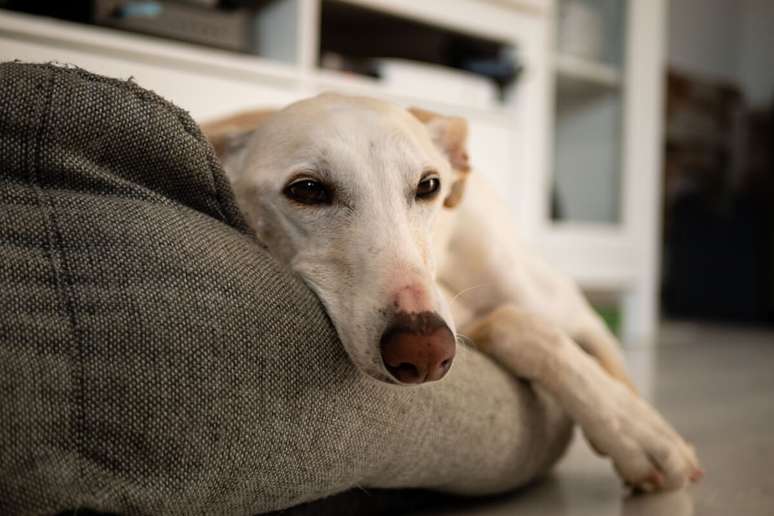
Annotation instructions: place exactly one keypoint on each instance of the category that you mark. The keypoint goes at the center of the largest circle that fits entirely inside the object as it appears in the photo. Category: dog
(377, 209)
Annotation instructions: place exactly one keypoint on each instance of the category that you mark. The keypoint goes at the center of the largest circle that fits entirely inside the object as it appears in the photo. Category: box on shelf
(439, 82)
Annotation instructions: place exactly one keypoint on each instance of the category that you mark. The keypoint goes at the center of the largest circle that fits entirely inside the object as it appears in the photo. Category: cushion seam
(59, 267)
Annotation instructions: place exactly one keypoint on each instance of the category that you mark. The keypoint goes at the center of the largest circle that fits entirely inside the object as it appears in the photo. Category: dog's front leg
(646, 451)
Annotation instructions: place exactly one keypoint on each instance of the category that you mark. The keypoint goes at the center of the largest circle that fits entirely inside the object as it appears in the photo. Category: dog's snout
(412, 298)
(417, 348)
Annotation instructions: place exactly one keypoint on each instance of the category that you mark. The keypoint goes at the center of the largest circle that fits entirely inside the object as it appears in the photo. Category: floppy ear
(229, 135)
(450, 134)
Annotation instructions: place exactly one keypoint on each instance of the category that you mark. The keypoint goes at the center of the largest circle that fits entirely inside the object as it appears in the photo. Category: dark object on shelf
(232, 29)
(74, 10)
(502, 69)
(351, 65)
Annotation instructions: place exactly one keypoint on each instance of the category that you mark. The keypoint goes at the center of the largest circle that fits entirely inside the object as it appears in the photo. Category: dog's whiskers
(467, 340)
(466, 290)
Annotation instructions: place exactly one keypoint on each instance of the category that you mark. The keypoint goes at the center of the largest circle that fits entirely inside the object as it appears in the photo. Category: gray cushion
(154, 359)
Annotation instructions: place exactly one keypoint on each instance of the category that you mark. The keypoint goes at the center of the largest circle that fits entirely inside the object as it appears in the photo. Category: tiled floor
(716, 385)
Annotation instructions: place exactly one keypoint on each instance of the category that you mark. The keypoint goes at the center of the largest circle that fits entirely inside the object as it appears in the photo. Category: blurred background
(632, 138)
(633, 141)
(718, 254)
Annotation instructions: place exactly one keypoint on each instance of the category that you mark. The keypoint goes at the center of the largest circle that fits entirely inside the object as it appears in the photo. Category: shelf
(597, 256)
(573, 68)
(580, 82)
(144, 48)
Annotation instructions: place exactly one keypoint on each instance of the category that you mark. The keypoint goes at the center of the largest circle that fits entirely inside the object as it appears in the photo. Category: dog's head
(346, 191)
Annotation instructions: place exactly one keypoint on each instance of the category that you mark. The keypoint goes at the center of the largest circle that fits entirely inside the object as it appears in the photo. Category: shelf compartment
(462, 68)
(587, 156)
(266, 28)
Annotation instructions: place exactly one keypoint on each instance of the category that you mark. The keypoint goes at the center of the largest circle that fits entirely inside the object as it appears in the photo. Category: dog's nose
(417, 348)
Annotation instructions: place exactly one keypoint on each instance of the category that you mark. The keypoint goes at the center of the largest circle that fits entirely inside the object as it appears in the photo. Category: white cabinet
(601, 221)
(517, 141)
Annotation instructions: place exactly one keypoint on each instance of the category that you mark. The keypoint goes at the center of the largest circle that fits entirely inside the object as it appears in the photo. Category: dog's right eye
(428, 187)
(308, 191)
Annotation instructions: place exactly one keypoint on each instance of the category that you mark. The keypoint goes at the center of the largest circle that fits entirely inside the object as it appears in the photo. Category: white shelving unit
(511, 143)
(606, 133)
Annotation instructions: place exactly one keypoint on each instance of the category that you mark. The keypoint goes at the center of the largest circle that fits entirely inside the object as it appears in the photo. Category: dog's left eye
(428, 187)
(308, 191)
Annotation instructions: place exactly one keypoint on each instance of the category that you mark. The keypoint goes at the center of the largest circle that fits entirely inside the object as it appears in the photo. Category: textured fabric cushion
(155, 360)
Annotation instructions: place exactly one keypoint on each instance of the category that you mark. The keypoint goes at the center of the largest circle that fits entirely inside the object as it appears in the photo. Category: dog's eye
(428, 187)
(308, 191)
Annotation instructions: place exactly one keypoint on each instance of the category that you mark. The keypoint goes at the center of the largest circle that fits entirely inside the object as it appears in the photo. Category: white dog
(362, 199)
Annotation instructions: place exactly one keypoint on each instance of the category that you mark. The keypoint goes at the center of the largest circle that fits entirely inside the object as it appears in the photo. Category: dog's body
(362, 200)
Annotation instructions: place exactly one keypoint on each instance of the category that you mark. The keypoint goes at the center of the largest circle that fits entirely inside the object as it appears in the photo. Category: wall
(730, 40)
(756, 51)
(704, 36)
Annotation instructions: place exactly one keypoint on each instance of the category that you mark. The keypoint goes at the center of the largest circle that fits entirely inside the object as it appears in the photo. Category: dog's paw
(646, 451)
